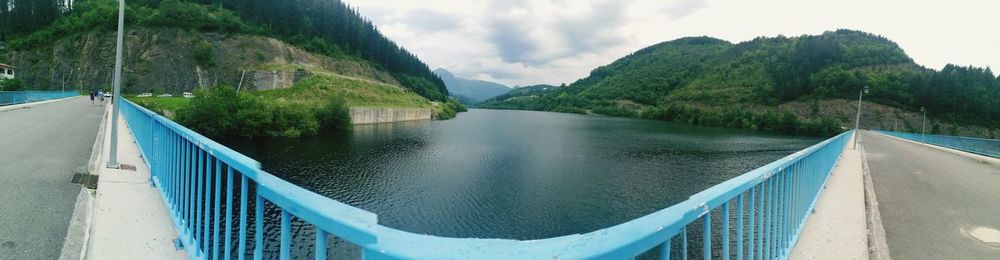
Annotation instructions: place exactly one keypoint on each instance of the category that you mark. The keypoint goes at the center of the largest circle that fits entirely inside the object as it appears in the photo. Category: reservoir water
(515, 174)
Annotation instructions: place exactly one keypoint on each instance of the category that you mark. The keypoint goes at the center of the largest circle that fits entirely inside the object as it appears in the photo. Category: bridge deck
(930, 199)
(40, 149)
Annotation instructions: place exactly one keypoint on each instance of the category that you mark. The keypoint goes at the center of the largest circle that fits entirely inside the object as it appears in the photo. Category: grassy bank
(316, 102)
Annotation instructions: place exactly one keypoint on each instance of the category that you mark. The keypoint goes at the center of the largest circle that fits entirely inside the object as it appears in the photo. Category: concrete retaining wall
(372, 115)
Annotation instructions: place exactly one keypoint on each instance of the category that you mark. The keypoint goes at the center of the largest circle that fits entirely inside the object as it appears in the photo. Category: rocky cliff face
(163, 60)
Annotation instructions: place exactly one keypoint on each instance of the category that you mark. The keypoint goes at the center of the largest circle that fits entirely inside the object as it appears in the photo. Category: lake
(516, 174)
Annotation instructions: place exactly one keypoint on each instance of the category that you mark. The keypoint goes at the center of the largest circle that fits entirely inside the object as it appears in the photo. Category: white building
(6, 71)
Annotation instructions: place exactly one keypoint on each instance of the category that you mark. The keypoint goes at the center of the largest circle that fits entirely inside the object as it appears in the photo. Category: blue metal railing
(21, 97)
(987, 147)
(768, 207)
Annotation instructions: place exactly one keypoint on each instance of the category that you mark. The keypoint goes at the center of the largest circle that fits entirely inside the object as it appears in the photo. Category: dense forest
(709, 81)
(329, 27)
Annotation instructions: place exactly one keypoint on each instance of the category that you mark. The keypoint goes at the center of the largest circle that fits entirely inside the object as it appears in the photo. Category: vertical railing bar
(242, 247)
(685, 247)
(760, 221)
(779, 238)
(752, 209)
(227, 253)
(787, 210)
(181, 184)
(189, 192)
(207, 222)
(706, 241)
(215, 217)
(776, 224)
(725, 230)
(199, 167)
(739, 226)
(771, 215)
(285, 248)
(258, 250)
(174, 161)
(321, 243)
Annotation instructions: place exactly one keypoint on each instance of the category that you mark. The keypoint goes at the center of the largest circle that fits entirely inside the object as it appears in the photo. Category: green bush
(334, 115)
(11, 85)
(203, 55)
(222, 112)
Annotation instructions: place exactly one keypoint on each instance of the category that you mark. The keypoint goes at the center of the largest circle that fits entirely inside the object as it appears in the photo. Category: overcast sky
(521, 42)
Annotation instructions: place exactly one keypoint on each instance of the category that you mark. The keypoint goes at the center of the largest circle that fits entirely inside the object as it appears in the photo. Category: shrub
(334, 115)
(221, 112)
(203, 55)
(11, 85)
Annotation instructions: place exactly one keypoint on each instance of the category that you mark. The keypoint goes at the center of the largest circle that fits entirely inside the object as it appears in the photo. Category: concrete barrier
(376, 115)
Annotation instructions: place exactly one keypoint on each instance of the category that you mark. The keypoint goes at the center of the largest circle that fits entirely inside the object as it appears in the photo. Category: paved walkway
(41, 147)
(130, 219)
(932, 201)
(837, 229)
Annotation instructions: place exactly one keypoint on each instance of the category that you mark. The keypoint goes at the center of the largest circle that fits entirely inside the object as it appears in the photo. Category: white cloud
(558, 41)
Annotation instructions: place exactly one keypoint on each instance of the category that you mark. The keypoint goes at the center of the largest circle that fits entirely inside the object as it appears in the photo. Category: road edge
(878, 248)
(78, 232)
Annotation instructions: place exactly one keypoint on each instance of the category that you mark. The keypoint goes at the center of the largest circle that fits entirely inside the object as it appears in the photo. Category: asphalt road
(930, 199)
(40, 149)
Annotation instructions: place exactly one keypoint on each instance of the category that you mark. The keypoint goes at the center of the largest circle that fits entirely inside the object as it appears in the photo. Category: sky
(522, 42)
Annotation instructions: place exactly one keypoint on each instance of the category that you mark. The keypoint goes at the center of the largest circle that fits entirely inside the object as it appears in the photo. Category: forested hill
(329, 27)
(787, 84)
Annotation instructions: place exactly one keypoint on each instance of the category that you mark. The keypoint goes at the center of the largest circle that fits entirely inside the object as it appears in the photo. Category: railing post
(320, 244)
(284, 251)
(706, 246)
(725, 230)
(739, 227)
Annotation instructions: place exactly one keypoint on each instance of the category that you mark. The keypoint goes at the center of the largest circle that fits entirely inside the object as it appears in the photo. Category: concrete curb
(78, 234)
(878, 248)
(28, 105)
(978, 158)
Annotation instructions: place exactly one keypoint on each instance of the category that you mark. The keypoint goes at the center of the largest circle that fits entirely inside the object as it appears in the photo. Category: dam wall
(377, 115)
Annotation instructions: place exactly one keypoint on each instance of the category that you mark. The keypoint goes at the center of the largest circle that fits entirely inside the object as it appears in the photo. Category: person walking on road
(92, 96)
(100, 95)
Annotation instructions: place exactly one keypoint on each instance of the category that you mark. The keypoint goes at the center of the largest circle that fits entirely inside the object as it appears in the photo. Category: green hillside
(327, 27)
(765, 82)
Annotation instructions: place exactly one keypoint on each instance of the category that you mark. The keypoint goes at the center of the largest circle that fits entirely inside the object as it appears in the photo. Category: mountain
(779, 83)
(189, 44)
(470, 91)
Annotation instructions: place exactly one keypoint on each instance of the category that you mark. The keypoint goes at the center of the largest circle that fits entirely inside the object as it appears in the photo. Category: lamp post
(857, 119)
(116, 96)
(923, 125)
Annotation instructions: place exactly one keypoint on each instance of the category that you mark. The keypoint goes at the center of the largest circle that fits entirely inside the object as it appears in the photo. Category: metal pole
(923, 124)
(116, 96)
(857, 120)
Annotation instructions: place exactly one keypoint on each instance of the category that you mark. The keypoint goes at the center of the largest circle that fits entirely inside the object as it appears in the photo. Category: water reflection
(514, 174)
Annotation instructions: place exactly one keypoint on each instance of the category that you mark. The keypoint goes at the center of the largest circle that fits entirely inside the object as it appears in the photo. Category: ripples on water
(512, 174)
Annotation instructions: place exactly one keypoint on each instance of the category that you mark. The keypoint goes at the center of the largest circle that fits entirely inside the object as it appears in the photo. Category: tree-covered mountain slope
(470, 91)
(179, 45)
(778, 83)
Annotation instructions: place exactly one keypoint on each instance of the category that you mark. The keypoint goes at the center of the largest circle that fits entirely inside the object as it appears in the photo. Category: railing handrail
(295, 198)
(28, 96)
(982, 146)
(361, 227)
(948, 136)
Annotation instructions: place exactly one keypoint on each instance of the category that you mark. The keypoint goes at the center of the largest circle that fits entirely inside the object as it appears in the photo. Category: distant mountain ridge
(470, 91)
(777, 83)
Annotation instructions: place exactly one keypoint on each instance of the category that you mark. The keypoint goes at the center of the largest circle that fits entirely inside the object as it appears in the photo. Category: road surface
(41, 147)
(930, 199)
